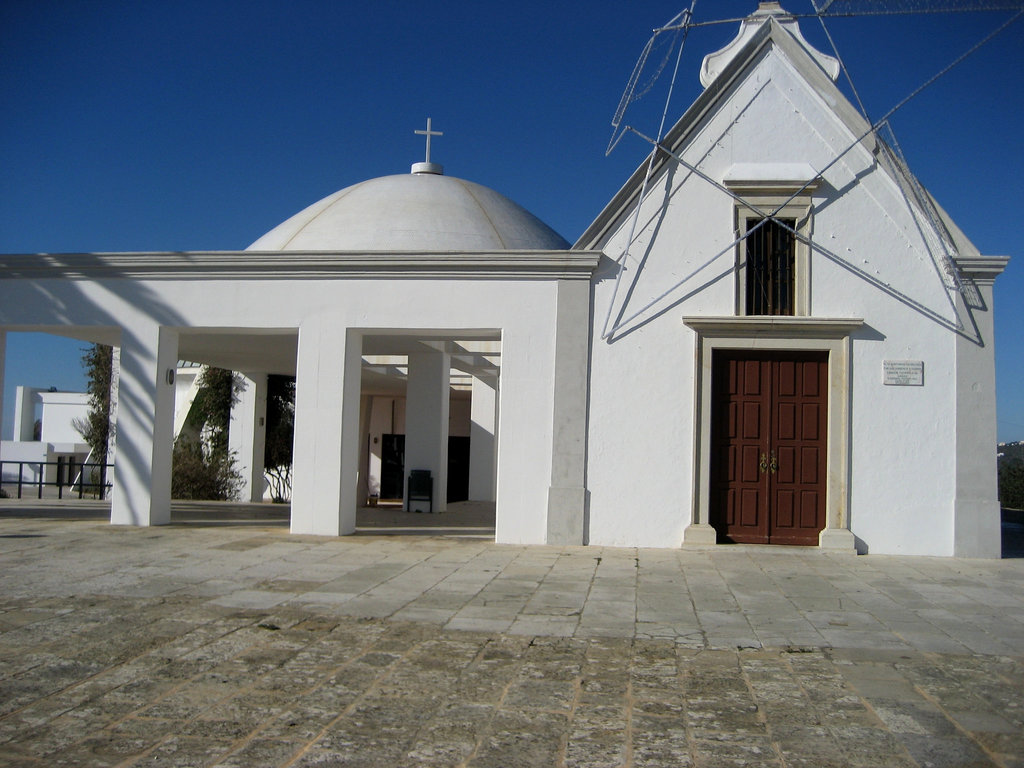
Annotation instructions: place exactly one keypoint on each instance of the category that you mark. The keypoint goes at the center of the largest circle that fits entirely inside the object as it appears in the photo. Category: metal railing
(97, 483)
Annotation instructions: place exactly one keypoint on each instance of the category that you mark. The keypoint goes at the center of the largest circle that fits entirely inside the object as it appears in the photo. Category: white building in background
(770, 334)
(58, 451)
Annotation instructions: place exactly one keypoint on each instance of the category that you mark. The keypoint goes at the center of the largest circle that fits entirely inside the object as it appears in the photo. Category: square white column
(977, 520)
(365, 412)
(326, 448)
(247, 434)
(482, 423)
(145, 434)
(115, 391)
(566, 510)
(426, 423)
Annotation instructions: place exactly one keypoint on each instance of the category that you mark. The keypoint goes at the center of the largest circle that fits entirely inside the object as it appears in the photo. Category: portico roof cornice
(300, 265)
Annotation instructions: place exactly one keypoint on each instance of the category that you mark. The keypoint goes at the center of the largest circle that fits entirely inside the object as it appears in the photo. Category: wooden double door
(768, 461)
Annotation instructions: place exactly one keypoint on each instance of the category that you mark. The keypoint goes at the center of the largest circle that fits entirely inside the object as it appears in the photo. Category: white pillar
(373, 442)
(247, 434)
(145, 435)
(365, 412)
(326, 443)
(977, 529)
(426, 422)
(482, 420)
(567, 492)
(115, 383)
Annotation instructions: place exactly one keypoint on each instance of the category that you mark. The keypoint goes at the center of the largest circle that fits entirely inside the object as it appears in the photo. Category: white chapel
(771, 334)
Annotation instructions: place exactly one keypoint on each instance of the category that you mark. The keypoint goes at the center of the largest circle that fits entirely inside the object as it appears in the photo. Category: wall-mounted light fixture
(170, 377)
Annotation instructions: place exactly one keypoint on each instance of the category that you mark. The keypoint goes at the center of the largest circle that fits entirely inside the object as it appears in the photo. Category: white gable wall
(642, 415)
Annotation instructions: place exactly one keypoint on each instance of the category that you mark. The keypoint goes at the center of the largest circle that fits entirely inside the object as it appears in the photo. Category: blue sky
(200, 125)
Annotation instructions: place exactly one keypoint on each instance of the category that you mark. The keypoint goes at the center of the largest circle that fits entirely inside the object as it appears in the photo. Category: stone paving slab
(218, 645)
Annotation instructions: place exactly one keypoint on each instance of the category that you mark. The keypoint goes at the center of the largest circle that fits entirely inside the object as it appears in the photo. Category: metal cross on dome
(428, 133)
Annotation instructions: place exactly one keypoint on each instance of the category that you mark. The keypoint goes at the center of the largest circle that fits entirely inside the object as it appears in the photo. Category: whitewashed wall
(60, 410)
(641, 419)
(127, 312)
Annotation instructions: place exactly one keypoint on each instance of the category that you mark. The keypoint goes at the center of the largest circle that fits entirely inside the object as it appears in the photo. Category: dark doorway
(458, 468)
(392, 466)
(768, 432)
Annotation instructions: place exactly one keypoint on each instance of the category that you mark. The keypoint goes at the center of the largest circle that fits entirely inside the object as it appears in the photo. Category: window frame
(774, 279)
(780, 201)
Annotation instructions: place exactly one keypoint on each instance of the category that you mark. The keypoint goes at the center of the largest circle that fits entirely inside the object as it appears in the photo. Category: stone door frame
(832, 335)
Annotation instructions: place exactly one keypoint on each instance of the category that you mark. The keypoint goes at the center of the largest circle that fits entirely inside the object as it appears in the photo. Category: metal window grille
(770, 268)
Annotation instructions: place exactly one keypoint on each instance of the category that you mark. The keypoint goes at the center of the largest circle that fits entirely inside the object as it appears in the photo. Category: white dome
(412, 212)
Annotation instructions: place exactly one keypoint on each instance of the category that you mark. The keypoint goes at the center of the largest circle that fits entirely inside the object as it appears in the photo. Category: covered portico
(323, 318)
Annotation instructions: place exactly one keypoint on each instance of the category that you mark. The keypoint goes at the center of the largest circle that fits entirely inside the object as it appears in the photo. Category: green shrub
(203, 475)
(97, 361)
(277, 455)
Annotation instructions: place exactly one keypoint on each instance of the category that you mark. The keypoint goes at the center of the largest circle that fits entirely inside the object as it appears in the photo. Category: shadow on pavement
(473, 519)
(465, 518)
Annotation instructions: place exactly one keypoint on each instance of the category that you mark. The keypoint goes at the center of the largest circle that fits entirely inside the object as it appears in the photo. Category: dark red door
(768, 425)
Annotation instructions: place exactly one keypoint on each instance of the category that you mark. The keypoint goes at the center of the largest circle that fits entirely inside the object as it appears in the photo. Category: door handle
(763, 463)
(773, 463)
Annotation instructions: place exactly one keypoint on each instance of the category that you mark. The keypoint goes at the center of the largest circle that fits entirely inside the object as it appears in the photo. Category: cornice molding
(301, 265)
(984, 269)
(775, 327)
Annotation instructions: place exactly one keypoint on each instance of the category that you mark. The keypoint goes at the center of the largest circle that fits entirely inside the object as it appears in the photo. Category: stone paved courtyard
(224, 641)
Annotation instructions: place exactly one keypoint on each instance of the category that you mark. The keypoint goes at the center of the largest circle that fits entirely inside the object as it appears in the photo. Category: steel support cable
(893, 154)
(677, 23)
(923, 199)
(928, 312)
(698, 172)
(839, 58)
(849, 79)
(685, 28)
(872, 129)
(940, 230)
(924, 203)
(947, 262)
(945, 70)
(627, 96)
(1016, 5)
(621, 261)
(767, 216)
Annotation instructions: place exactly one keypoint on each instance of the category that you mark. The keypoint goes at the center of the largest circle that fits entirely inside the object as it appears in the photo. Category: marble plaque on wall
(903, 373)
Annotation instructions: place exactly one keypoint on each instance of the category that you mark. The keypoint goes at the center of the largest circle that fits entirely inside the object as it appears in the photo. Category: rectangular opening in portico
(427, 382)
